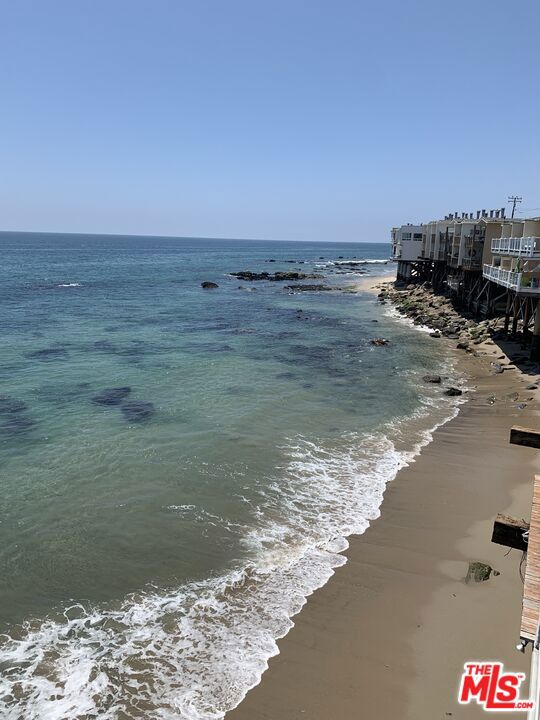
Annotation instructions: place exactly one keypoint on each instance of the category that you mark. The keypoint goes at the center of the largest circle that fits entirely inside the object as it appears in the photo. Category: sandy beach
(388, 635)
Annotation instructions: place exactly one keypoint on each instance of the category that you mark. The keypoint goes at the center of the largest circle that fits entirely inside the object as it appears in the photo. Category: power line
(514, 199)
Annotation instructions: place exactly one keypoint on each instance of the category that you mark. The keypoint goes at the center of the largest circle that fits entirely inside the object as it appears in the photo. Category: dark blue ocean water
(153, 549)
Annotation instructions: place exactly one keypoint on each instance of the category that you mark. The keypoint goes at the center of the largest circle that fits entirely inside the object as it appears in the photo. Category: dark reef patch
(137, 410)
(14, 424)
(10, 405)
(48, 354)
(111, 396)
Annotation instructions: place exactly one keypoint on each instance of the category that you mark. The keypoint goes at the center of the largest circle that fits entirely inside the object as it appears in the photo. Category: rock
(10, 405)
(432, 378)
(207, 285)
(378, 342)
(435, 335)
(529, 387)
(111, 396)
(276, 277)
(497, 368)
(462, 346)
(522, 406)
(137, 410)
(453, 392)
(309, 288)
(479, 572)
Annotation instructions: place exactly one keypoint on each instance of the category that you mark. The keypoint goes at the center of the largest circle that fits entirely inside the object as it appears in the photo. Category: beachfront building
(454, 251)
(407, 244)
(512, 270)
(488, 263)
(515, 257)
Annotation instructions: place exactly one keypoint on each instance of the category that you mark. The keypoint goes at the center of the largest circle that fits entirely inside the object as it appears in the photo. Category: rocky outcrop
(249, 276)
(424, 307)
(309, 288)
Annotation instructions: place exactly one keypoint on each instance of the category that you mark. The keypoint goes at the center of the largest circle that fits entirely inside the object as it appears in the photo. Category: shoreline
(354, 646)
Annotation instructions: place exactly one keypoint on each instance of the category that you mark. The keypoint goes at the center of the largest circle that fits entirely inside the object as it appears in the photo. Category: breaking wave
(192, 652)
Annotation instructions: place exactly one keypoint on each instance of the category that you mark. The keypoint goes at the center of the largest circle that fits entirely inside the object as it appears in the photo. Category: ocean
(157, 540)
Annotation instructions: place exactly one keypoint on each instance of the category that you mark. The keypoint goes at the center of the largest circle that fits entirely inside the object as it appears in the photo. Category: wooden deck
(531, 589)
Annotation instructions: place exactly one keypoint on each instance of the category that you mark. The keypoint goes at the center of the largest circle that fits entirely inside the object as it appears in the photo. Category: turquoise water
(150, 561)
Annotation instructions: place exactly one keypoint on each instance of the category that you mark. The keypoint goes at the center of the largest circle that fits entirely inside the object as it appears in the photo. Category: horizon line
(188, 237)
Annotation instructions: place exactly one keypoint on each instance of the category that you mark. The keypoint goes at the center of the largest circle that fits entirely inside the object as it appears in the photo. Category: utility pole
(514, 199)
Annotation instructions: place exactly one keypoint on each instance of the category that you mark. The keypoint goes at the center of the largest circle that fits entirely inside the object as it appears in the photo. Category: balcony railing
(518, 281)
(508, 278)
(517, 247)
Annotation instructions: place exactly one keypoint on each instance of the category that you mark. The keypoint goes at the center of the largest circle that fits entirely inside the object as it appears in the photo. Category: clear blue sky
(264, 119)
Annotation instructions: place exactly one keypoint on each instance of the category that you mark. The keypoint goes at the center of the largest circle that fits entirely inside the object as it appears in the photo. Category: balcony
(522, 282)
(517, 247)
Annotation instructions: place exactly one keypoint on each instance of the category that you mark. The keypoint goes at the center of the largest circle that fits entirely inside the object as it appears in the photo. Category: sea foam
(192, 652)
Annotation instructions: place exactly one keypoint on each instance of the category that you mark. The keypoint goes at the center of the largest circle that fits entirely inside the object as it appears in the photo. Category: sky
(290, 119)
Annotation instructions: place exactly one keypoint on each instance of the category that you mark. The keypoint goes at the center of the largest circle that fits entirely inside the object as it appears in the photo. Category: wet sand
(388, 635)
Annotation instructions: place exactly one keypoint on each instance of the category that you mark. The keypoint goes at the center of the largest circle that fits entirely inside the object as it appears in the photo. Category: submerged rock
(137, 410)
(48, 354)
(432, 378)
(10, 405)
(452, 392)
(207, 285)
(15, 424)
(111, 396)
